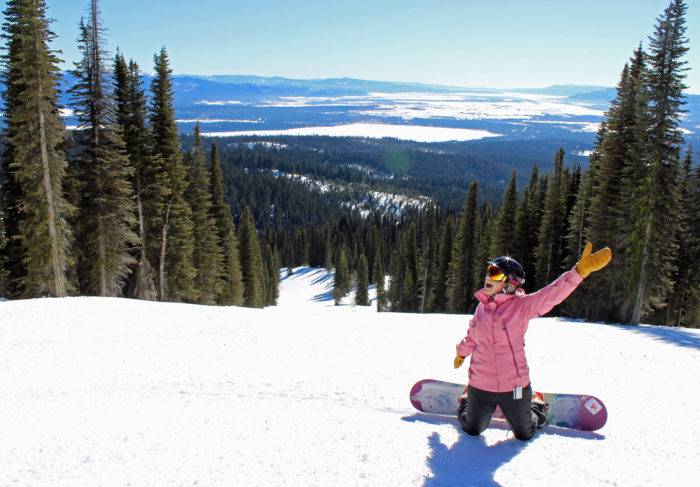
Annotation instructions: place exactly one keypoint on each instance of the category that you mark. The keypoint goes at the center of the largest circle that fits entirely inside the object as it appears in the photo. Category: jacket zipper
(517, 369)
(495, 362)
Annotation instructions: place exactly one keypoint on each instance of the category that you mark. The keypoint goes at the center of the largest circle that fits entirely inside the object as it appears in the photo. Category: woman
(498, 371)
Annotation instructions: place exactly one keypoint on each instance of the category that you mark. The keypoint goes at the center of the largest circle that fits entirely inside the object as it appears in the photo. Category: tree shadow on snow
(323, 278)
(674, 336)
(470, 461)
(297, 273)
(327, 296)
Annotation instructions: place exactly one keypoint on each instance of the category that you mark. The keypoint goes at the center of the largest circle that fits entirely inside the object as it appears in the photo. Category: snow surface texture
(99, 391)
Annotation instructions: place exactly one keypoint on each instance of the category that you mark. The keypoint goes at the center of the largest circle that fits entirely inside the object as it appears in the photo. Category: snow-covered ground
(98, 391)
(419, 133)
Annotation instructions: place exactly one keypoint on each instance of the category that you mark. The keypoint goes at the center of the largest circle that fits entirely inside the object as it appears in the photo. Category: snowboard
(575, 411)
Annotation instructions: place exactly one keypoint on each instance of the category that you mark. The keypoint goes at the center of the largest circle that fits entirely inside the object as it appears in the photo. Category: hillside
(123, 392)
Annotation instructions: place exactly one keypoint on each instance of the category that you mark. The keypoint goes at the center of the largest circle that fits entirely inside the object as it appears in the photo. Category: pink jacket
(496, 335)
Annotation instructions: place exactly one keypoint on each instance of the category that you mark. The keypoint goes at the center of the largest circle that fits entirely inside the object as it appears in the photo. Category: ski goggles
(495, 273)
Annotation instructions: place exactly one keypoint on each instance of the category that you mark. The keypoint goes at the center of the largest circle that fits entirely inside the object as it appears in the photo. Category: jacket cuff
(574, 276)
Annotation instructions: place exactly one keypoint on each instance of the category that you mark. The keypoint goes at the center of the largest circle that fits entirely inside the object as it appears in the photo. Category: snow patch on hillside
(385, 203)
(418, 133)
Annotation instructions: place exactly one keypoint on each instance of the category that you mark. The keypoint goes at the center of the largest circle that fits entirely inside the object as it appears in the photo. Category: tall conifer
(206, 255)
(443, 267)
(504, 242)
(685, 285)
(379, 280)
(272, 263)
(251, 262)
(526, 227)
(428, 260)
(176, 272)
(550, 237)
(36, 251)
(482, 249)
(106, 219)
(653, 240)
(461, 288)
(361, 296)
(341, 282)
(232, 285)
(131, 117)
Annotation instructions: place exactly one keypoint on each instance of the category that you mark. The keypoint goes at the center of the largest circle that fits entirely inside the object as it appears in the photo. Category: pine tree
(273, 275)
(685, 285)
(232, 285)
(443, 267)
(379, 280)
(620, 158)
(550, 237)
(428, 257)
(131, 118)
(341, 283)
(654, 243)
(394, 297)
(361, 296)
(692, 306)
(206, 255)
(482, 247)
(504, 242)
(579, 303)
(106, 220)
(461, 289)
(251, 262)
(4, 287)
(373, 250)
(526, 227)
(176, 272)
(35, 212)
(408, 253)
(13, 262)
(328, 255)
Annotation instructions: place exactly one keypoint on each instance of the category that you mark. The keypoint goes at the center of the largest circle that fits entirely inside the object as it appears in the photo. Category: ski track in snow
(104, 391)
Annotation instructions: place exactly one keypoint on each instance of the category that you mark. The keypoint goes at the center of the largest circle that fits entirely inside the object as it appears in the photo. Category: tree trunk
(57, 285)
(163, 247)
(102, 256)
(637, 310)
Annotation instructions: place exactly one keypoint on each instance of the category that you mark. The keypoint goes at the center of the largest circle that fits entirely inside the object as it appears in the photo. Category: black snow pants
(475, 411)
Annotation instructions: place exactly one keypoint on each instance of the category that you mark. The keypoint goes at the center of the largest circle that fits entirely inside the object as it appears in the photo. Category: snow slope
(97, 391)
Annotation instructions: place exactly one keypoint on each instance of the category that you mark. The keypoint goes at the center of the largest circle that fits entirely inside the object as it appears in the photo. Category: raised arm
(542, 301)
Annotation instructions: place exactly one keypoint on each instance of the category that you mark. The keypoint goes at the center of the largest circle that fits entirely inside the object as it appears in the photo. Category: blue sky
(498, 43)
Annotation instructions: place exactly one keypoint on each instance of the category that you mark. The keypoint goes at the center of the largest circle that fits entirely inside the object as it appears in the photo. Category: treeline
(640, 196)
(115, 207)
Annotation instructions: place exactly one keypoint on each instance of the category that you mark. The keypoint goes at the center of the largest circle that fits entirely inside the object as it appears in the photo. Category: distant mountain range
(232, 104)
(215, 87)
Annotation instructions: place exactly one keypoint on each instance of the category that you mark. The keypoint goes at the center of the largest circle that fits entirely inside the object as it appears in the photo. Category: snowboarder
(498, 371)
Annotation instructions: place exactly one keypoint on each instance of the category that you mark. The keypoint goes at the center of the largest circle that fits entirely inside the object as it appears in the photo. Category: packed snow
(418, 133)
(107, 391)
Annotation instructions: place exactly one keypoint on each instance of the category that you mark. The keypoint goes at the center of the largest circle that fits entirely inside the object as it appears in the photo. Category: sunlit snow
(108, 391)
(417, 133)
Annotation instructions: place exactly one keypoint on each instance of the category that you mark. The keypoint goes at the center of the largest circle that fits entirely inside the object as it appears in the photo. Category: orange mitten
(593, 262)
(458, 361)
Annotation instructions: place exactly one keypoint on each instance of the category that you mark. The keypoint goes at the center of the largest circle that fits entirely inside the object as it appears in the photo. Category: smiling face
(492, 287)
